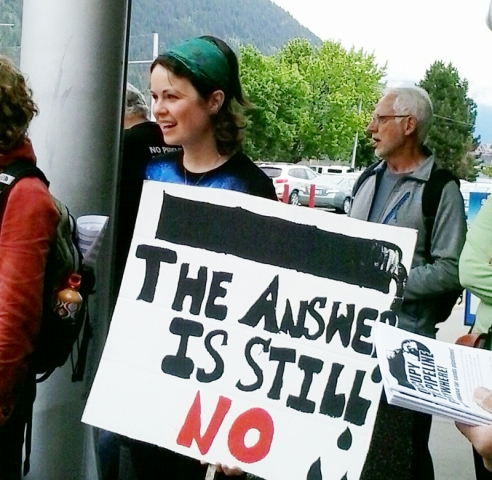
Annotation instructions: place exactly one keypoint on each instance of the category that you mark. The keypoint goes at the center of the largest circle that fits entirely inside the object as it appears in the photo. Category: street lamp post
(356, 140)
(155, 52)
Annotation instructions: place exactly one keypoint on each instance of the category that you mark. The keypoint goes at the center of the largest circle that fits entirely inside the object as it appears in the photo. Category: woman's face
(182, 114)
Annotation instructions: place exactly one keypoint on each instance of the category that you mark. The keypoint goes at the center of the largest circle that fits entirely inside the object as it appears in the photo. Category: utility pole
(356, 140)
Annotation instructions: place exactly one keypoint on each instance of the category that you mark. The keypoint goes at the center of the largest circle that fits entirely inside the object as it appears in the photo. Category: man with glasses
(392, 194)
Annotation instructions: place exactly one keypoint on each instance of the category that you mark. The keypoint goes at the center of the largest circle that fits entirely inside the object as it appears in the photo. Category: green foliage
(279, 96)
(487, 171)
(365, 152)
(451, 135)
(306, 99)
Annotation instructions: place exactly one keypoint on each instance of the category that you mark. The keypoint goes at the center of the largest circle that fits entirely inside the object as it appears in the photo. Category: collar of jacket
(423, 171)
(23, 151)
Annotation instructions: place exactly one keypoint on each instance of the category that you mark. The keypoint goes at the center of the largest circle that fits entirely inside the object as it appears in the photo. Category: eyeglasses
(376, 119)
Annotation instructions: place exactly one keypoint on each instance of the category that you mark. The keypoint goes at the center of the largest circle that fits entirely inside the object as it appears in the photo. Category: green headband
(204, 59)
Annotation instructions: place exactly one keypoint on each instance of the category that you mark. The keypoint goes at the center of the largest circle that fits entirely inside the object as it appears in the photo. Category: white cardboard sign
(242, 332)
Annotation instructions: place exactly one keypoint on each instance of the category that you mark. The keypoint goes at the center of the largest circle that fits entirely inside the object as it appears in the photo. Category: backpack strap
(17, 170)
(431, 197)
(370, 170)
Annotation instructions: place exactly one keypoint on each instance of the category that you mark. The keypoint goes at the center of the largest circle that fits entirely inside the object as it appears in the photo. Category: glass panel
(10, 30)
(272, 172)
(310, 175)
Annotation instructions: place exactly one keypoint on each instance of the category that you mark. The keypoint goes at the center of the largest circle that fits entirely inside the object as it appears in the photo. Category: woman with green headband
(198, 104)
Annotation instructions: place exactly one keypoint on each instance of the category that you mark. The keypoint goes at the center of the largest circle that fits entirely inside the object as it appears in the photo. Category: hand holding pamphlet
(433, 377)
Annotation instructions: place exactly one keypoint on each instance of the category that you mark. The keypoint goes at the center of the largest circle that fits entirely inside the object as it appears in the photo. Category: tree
(306, 99)
(365, 152)
(278, 94)
(451, 135)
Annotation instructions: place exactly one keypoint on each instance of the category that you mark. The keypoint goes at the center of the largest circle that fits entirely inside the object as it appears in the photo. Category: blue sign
(475, 204)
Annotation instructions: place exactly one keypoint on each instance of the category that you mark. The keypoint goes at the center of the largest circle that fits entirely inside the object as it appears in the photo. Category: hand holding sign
(219, 468)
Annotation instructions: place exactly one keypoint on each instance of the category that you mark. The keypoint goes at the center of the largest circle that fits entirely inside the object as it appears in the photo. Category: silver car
(330, 191)
(291, 175)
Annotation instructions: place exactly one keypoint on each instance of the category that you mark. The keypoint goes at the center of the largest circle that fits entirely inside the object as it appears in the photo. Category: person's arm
(28, 224)
(448, 237)
(475, 262)
(480, 437)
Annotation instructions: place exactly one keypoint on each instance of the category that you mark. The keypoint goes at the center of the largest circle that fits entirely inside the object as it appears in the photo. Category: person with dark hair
(142, 140)
(198, 104)
(28, 220)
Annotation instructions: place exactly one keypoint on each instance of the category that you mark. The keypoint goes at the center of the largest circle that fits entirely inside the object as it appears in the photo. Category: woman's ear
(215, 101)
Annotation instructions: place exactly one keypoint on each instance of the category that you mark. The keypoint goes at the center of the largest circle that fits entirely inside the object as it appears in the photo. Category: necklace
(205, 173)
(198, 181)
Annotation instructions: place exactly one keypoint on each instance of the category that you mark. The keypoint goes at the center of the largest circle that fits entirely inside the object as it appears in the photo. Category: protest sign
(242, 332)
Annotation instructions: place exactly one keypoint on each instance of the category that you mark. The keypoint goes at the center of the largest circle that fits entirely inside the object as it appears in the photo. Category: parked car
(331, 169)
(330, 191)
(295, 176)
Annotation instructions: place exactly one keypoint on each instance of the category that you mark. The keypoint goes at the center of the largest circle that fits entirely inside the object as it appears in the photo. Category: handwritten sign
(242, 333)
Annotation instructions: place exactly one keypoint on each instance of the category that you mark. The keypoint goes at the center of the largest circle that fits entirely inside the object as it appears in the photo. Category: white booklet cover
(431, 376)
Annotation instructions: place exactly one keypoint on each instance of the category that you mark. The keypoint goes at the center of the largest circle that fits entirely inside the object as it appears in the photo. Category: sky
(408, 36)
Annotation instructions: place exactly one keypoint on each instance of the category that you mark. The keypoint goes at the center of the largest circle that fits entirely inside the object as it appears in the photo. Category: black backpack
(431, 198)
(58, 337)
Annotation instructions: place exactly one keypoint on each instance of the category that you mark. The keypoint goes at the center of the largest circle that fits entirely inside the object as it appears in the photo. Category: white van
(331, 169)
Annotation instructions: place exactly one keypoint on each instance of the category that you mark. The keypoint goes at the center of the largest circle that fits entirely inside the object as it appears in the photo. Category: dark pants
(109, 445)
(399, 447)
(154, 463)
(12, 434)
(481, 473)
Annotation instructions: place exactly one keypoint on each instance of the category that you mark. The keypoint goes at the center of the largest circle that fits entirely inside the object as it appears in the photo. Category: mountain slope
(258, 22)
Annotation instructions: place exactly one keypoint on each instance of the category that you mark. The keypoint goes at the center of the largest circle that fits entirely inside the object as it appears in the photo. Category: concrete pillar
(74, 54)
